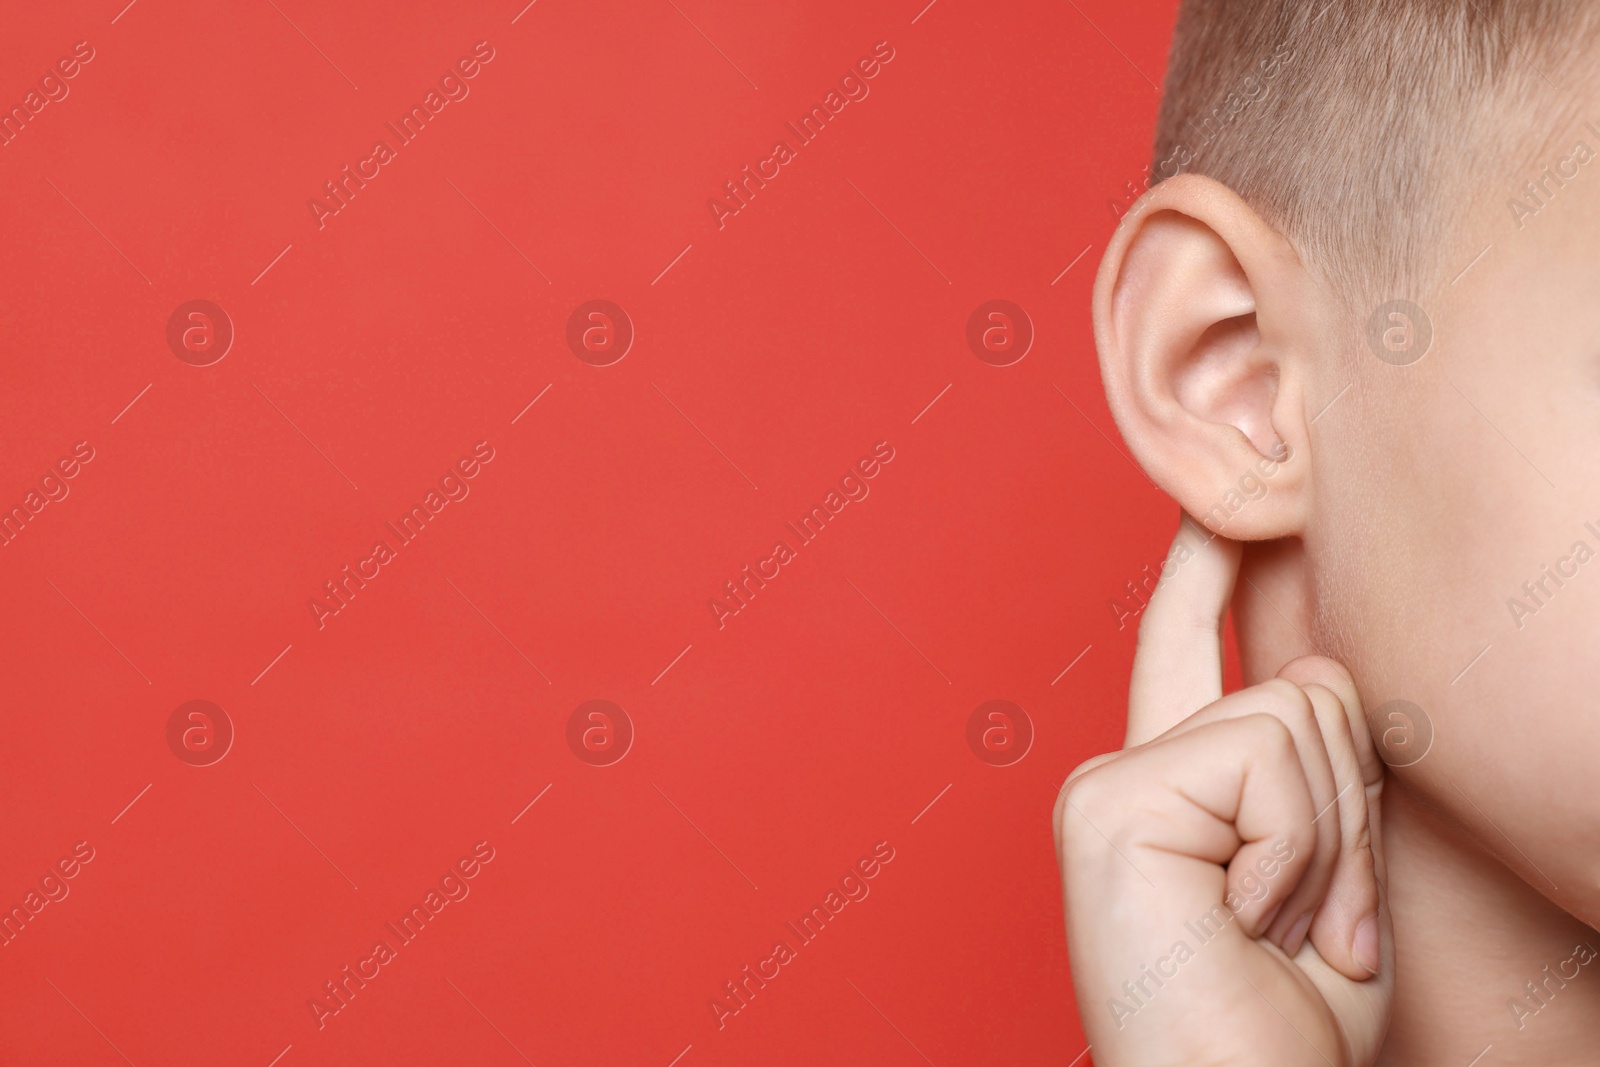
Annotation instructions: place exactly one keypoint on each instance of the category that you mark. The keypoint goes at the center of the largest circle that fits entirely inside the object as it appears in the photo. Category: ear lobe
(1204, 340)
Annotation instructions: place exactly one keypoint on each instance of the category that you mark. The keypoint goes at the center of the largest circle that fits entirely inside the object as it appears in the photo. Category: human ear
(1206, 324)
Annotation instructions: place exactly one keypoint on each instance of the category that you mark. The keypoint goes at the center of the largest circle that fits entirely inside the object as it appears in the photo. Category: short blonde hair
(1358, 126)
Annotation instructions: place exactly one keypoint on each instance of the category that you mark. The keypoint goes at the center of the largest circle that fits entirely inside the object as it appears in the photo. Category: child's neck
(1469, 934)
(1469, 937)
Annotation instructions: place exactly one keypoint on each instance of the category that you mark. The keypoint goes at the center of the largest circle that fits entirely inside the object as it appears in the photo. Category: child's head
(1373, 248)
(1360, 128)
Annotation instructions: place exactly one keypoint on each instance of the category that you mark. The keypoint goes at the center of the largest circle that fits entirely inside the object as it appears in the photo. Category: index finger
(1177, 668)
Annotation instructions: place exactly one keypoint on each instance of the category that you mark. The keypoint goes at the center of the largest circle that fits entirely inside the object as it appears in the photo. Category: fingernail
(1297, 934)
(1364, 946)
(1266, 920)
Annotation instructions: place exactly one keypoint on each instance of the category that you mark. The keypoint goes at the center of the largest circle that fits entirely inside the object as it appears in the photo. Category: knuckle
(1097, 798)
(1271, 736)
(1291, 700)
(1302, 842)
(1358, 837)
(1079, 788)
(1331, 717)
(1088, 765)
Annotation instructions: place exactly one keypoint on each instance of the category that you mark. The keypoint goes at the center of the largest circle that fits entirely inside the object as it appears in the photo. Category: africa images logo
(852, 487)
(337, 593)
(852, 87)
(852, 888)
(453, 887)
(453, 88)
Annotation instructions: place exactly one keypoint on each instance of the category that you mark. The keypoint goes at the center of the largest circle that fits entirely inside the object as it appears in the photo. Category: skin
(1382, 557)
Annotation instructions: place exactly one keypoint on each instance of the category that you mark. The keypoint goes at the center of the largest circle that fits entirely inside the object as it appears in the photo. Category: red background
(776, 751)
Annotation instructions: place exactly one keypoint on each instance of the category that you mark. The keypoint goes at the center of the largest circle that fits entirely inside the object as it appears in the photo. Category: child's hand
(1196, 861)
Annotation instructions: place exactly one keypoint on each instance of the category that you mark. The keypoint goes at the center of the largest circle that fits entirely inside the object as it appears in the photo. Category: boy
(1368, 271)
